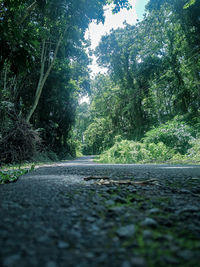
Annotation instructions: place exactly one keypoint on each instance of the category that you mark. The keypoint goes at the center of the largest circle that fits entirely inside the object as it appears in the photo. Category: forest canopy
(152, 84)
(43, 70)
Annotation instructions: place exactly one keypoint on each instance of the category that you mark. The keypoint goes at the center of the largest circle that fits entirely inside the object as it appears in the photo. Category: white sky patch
(112, 21)
(84, 99)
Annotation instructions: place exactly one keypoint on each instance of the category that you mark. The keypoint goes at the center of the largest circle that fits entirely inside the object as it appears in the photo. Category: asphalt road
(50, 217)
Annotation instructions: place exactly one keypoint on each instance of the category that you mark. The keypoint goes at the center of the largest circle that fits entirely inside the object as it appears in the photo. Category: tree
(151, 65)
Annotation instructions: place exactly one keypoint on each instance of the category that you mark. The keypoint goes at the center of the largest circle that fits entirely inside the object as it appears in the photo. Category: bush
(194, 152)
(134, 152)
(18, 142)
(159, 151)
(125, 152)
(175, 134)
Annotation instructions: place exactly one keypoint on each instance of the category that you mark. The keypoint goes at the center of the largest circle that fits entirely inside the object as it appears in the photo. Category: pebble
(110, 202)
(51, 264)
(11, 260)
(153, 211)
(149, 222)
(126, 264)
(126, 231)
(186, 254)
(43, 239)
(119, 199)
(117, 209)
(138, 262)
(147, 234)
(63, 244)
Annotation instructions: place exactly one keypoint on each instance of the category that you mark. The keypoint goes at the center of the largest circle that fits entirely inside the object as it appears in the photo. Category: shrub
(134, 152)
(159, 151)
(125, 152)
(175, 134)
(18, 142)
(194, 152)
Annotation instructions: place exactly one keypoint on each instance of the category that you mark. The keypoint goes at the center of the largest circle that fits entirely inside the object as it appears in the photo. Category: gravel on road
(52, 217)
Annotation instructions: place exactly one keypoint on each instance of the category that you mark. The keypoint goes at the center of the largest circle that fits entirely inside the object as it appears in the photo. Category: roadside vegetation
(172, 142)
(43, 73)
(146, 108)
(10, 174)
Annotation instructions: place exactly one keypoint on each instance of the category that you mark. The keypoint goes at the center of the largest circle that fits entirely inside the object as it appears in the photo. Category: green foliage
(155, 65)
(98, 137)
(175, 134)
(11, 175)
(44, 67)
(125, 152)
(159, 151)
(194, 152)
(189, 3)
(135, 152)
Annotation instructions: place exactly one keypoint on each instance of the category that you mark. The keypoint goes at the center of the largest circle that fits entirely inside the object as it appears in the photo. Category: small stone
(186, 254)
(153, 211)
(147, 234)
(43, 239)
(119, 199)
(170, 259)
(132, 189)
(149, 222)
(62, 244)
(110, 202)
(89, 255)
(184, 191)
(117, 209)
(138, 262)
(51, 264)
(126, 231)
(126, 264)
(11, 260)
(189, 208)
(91, 219)
(94, 228)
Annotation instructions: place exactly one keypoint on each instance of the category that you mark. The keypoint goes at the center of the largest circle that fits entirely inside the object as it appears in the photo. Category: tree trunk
(44, 76)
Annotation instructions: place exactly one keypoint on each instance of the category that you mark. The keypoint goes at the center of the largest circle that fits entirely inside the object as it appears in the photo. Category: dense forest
(147, 104)
(43, 70)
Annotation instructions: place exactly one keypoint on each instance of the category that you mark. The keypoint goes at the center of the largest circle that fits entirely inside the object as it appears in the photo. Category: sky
(96, 31)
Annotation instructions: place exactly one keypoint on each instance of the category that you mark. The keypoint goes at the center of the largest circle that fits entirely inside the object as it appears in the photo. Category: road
(51, 217)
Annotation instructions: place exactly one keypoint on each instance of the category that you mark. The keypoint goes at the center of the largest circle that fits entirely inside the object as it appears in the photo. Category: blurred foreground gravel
(51, 217)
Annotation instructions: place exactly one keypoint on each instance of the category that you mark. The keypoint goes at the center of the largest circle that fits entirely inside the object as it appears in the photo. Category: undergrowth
(172, 142)
(11, 175)
(134, 152)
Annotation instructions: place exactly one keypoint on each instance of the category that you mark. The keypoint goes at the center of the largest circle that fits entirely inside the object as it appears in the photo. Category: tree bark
(44, 76)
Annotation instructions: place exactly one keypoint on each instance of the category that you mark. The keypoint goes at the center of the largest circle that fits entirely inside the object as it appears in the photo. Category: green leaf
(190, 3)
